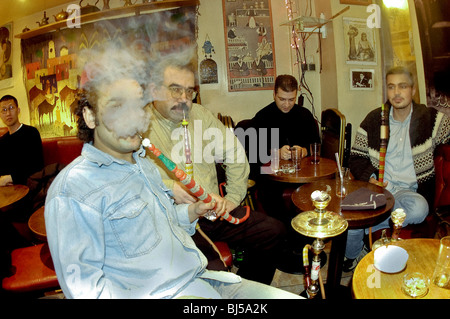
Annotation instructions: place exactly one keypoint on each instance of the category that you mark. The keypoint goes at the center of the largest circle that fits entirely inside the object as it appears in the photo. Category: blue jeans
(416, 209)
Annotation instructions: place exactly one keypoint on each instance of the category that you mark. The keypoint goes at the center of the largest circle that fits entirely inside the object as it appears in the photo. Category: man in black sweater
(295, 127)
(21, 146)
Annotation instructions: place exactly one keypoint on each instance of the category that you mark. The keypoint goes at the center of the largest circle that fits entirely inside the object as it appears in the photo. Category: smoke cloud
(129, 63)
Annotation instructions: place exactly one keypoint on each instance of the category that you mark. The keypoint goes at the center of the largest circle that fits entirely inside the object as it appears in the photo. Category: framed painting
(249, 45)
(361, 79)
(357, 2)
(6, 76)
(359, 42)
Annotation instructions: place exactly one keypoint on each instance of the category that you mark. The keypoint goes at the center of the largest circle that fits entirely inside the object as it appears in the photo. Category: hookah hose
(384, 134)
(189, 182)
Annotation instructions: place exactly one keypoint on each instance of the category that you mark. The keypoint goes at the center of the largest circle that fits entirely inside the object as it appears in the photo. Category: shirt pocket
(134, 227)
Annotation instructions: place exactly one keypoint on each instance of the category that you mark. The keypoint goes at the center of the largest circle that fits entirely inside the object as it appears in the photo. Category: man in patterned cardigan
(414, 132)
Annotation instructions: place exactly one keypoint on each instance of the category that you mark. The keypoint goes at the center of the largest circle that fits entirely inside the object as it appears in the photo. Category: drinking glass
(342, 184)
(441, 276)
(296, 156)
(275, 160)
(314, 149)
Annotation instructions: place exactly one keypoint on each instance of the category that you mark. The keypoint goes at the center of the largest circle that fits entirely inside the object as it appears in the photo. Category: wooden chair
(226, 120)
(442, 192)
(336, 136)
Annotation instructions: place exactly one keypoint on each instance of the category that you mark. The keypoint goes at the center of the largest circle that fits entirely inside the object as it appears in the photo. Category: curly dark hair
(85, 95)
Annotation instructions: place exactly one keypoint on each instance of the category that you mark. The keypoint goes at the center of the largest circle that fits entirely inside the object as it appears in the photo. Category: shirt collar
(407, 120)
(93, 154)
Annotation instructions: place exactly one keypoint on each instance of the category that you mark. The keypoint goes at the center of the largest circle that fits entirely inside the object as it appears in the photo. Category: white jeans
(416, 209)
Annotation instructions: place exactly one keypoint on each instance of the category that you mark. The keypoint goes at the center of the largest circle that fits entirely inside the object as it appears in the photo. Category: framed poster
(359, 42)
(249, 45)
(6, 78)
(358, 2)
(361, 79)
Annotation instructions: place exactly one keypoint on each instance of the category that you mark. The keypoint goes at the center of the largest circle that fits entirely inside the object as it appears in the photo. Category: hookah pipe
(384, 134)
(187, 149)
(312, 274)
(190, 183)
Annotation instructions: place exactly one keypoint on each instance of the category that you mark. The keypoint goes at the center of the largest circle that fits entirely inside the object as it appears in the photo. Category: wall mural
(6, 77)
(249, 45)
(53, 70)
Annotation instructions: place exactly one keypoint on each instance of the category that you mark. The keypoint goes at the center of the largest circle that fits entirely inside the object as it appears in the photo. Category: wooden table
(301, 198)
(308, 173)
(36, 223)
(355, 218)
(370, 283)
(11, 194)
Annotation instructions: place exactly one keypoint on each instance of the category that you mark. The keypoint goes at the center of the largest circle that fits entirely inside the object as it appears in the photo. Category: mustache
(181, 106)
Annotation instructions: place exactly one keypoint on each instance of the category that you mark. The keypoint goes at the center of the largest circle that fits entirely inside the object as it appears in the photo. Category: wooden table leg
(335, 264)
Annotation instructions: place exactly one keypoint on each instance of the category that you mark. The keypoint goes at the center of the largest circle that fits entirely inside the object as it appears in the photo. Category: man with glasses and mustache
(21, 146)
(414, 132)
(172, 88)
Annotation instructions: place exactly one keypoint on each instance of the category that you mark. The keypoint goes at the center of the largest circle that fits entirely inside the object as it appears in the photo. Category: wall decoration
(53, 69)
(208, 67)
(358, 2)
(6, 76)
(359, 42)
(361, 79)
(249, 45)
(434, 27)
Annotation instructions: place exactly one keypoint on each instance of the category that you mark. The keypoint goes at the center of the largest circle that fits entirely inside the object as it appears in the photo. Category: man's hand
(182, 195)
(199, 209)
(303, 150)
(376, 182)
(285, 152)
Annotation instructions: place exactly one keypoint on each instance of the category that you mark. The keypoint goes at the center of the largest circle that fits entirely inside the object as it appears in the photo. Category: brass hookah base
(318, 224)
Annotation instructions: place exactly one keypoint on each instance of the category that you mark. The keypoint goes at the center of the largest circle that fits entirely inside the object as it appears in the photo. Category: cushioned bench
(32, 269)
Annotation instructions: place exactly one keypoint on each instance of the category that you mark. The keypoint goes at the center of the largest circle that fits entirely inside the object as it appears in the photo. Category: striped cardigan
(428, 129)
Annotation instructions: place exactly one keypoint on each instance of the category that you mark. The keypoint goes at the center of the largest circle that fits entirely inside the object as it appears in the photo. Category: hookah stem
(306, 265)
(187, 148)
(384, 133)
(190, 183)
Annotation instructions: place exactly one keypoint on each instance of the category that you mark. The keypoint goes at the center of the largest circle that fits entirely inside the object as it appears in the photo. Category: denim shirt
(114, 232)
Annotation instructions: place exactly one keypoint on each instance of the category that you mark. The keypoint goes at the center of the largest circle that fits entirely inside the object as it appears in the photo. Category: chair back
(226, 120)
(442, 167)
(334, 134)
(3, 130)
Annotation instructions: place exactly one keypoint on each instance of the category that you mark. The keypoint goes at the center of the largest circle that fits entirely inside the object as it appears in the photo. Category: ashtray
(390, 259)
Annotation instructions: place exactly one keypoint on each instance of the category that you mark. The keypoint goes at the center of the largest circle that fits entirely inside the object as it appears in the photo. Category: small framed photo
(361, 79)
(358, 2)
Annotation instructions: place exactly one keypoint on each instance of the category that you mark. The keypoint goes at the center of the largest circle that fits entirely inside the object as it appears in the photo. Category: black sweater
(21, 154)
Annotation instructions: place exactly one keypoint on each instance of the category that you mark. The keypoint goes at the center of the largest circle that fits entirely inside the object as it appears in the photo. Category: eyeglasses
(177, 92)
(7, 108)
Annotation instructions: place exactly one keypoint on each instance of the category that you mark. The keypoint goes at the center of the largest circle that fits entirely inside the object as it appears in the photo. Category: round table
(301, 198)
(308, 173)
(355, 218)
(370, 283)
(11, 194)
(36, 223)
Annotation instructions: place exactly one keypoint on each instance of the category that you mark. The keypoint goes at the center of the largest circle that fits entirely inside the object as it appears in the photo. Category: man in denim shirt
(112, 226)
